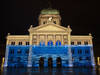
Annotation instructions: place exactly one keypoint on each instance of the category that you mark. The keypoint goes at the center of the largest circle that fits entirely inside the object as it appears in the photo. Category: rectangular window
(80, 58)
(27, 51)
(65, 41)
(88, 58)
(79, 51)
(10, 59)
(86, 51)
(12, 51)
(34, 41)
(19, 51)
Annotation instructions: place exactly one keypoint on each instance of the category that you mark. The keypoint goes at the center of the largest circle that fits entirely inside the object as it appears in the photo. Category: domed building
(49, 45)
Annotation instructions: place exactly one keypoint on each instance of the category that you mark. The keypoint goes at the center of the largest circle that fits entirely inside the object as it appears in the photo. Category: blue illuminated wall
(29, 56)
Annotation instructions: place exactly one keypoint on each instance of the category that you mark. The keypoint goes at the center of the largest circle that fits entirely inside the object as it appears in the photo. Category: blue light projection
(29, 56)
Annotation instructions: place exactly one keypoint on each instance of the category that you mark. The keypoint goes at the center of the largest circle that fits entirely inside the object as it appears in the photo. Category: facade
(49, 45)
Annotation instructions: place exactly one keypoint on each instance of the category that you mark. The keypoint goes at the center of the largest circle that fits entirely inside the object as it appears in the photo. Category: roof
(50, 11)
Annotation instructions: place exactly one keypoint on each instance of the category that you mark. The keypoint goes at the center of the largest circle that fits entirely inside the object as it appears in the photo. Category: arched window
(27, 43)
(12, 43)
(86, 43)
(72, 43)
(58, 43)
(20, 43)
(79, 43)
(42, 43)
(50, 43)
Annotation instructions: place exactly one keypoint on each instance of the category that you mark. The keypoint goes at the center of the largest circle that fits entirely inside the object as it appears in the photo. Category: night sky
(82, 15)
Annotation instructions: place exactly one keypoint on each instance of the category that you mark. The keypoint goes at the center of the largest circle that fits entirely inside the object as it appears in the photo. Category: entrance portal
(50, 62)
(41, 62)
(58, 62)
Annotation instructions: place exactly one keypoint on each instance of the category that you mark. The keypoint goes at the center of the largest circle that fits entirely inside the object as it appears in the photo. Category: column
(62, 41)
(30, 39)
(37, 39)
(30, 57)
(70, 56)
(54, 39)
(82, 42)
(6, 56)
(46, 40)
(92, 57)
(75, 42)
(69, 51)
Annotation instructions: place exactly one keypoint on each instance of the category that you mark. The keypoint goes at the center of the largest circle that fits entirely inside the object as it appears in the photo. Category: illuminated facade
(49, 44)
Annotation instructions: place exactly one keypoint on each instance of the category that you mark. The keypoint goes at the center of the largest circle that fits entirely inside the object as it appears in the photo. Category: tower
(49, 16)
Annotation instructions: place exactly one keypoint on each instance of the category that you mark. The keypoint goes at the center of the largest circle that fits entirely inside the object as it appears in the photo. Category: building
(49, 45)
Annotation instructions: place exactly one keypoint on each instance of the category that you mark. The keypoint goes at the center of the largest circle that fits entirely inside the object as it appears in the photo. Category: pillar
(62, 41)
(54, 39)
(30, 57)
(92, 57)
(6, 56)
(30, 39)
(69, 51)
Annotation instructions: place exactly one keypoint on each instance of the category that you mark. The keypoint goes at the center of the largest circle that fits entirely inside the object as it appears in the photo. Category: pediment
(50, 27)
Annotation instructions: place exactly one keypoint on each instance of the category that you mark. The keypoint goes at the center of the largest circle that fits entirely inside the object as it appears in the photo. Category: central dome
(50, 11)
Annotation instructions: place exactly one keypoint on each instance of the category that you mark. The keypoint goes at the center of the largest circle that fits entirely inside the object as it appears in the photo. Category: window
(88, 58)
(12, 43)
(72, 43)
(79, 51)
(19, 51)
(18, 59)
(10, 59)
(12, 51)
(72, 58)
(72, 51)
(80, 58)
(86, 43)
(86, 51)
(65, 41)
(58, 43)
(20, 43)
(34, 41)
(42, 43)
(44, 22)
(50, 43)
(54, 22)
(27, 51)
(27, 43)
(79, 43)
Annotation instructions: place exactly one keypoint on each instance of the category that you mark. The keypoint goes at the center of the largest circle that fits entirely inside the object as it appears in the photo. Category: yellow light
(98, 61)
(2, 62)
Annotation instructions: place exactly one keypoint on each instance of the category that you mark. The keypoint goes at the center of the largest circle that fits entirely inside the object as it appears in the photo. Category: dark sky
(82, 15)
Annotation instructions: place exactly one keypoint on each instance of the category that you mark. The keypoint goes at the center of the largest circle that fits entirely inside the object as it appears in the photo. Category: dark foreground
(50, 71)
